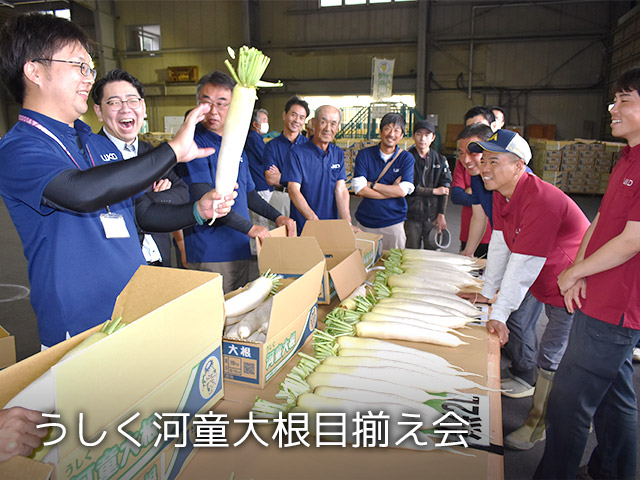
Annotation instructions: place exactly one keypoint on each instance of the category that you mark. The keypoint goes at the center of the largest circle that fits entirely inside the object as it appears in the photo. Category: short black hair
(500, 109)
(480, 130)
(478, 110)
(393, 119)
(217, 79)
(629, 81)
(295, 100)
(115, 75)
(25, 38)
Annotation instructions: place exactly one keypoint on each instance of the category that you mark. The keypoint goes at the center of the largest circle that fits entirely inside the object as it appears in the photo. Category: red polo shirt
(615, 292)
(541, 221)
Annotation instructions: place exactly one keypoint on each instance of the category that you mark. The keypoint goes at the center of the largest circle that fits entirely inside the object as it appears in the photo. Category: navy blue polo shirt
(75, 272)
(379, 213)
(218, 243)
(254, 148)
(482, 196)
(317, 172)
(277, 150)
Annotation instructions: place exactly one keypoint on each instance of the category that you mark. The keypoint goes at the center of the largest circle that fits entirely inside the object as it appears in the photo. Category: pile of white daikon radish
(415, 299)
(247, 314)
(355, 370)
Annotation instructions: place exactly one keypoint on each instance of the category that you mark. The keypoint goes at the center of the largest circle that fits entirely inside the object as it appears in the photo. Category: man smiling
(314, 173)
(536, 233)
(119, 104)
(595, 378)
(70, 202)
(383, 176)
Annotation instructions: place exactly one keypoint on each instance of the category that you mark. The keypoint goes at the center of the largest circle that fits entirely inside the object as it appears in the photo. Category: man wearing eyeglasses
(68, 194)
(224, 249)
(119, 104)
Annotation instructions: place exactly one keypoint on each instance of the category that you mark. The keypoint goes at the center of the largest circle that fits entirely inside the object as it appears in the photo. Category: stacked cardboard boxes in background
(575, 166)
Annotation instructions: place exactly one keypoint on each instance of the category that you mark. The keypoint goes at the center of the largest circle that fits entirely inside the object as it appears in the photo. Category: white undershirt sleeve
(358, 183)
(407, 187)
(497, 260)
(521, 272)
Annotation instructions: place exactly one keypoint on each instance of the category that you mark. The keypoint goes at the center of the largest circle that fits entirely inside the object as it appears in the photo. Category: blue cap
(503, 141)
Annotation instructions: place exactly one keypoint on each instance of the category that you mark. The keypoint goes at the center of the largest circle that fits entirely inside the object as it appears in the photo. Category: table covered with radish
(405, 348)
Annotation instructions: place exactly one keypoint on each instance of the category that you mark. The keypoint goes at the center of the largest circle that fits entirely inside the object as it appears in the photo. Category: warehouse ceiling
(9, 8)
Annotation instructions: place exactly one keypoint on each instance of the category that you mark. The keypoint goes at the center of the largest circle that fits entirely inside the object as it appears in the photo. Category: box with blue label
(129, 402)
(370, 246)
(294, 312)
(345, 267)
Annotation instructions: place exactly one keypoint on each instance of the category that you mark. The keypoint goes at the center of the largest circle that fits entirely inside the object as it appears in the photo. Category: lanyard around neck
(47, 132)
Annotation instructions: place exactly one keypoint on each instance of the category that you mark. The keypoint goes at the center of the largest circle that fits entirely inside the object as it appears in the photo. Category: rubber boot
(533, 430)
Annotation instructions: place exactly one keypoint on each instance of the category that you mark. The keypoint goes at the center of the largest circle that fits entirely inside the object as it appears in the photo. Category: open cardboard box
(294, 312)
(345, 268)
(167, 361)
(7, 348)
(370, 246)
(278, 232)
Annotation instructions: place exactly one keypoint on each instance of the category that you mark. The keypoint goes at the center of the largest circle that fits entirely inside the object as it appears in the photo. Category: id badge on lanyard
(114, 225)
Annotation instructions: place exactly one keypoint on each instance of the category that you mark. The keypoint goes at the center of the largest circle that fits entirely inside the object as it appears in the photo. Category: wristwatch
(373, 184)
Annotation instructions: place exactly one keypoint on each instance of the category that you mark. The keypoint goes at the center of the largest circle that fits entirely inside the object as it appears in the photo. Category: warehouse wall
(546, 70)
(545, 61)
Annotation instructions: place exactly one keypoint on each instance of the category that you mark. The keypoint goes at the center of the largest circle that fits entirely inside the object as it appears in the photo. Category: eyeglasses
(85, 68)
(219, 106)
(116, 104)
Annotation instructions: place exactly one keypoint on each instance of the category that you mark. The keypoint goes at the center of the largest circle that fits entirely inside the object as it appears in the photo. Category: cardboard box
(554, 178)
(168, 360)
(580, 147)
(552, 165)
(294, 313)
(345, 268)
(7, 348)
(570, 160)
(278, 232)
(370, 246)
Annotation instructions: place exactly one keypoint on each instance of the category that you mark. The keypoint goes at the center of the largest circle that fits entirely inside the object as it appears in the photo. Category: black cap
(424, 124)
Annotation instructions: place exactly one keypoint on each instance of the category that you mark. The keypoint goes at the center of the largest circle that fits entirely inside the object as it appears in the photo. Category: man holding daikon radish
(225, 248)
(595, 382)
(277, 150)
(383, 177)
(536, 234)
(67, 193)
(315, 175)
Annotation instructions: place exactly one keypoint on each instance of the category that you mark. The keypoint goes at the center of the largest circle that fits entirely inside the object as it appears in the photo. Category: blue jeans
(594, 380)
(522, 346)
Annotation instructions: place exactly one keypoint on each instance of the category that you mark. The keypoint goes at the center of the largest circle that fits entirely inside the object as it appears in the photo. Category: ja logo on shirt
(627, 182)
(396, 170)
(108, 157)
(335, 166)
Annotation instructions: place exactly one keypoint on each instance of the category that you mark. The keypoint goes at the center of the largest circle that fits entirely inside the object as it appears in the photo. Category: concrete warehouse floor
(16, 315)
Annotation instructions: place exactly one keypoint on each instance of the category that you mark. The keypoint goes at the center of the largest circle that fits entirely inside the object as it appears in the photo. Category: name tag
(114, 225)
